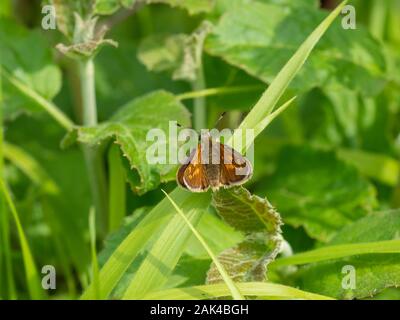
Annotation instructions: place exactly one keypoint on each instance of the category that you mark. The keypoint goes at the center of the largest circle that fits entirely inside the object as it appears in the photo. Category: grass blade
(28, 165)
(32, 276)
(162, 257)
(95, 263)
(340, 251)
(254, 289)
(130, 247)
(235, 293)
(268, 119)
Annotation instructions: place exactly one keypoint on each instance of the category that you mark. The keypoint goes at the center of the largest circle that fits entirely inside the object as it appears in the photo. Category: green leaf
(260, 222)
(251, 289)
(374, 271)
(107, 7)
(314, 189)
(192, 6)
(178, 54)
(383, 168)
(34, 71)
(129, 127)
(260, 37)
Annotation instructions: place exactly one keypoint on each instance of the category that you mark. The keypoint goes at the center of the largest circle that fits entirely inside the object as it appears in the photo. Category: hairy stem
(93, 155)
(199, 103)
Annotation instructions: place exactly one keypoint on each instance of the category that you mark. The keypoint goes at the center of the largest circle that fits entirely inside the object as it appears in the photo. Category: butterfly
(213, 165)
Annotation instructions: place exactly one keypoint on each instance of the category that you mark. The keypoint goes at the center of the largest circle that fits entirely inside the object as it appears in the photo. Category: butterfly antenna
(219, 119)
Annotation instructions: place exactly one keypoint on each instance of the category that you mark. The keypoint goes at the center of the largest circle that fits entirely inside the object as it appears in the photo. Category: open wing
(192, 175)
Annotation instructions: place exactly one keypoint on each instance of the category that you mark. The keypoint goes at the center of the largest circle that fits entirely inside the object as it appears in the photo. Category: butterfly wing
(235, 169)
(192, 175)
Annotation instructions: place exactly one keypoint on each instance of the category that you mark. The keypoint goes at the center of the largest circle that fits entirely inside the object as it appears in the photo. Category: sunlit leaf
(129, 128)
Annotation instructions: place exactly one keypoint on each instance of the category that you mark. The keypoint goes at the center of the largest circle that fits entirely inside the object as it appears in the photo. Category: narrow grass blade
(32, 276)
(340, 251)
(163, 256)
(268, 119)
(117, 189)
(5, 252)
(28, 165)
(95, 263)
(6, 275)
(218, 92)
(130, 247)
(234, 291)
(254, 289)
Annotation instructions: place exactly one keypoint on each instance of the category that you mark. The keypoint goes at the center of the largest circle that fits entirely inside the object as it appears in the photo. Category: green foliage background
(329, 164)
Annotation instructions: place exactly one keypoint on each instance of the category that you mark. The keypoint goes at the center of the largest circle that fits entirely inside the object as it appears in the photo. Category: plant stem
(93, 155)
(117, 190)
(199, 104)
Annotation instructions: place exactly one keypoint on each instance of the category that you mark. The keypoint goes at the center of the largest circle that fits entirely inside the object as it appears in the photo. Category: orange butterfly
(213, 164)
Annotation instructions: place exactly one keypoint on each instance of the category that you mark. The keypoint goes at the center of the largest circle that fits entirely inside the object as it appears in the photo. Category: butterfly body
(213, 165)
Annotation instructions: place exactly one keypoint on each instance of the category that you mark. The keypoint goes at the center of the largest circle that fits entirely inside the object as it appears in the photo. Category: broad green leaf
(254, 216)
(259, 37)
(192, 6)
(251, 289)
(129, 128)
(341, 117)
(178, 54)
(107, 7)
(115, 268)
(383, 168)
(314, 189)
(35, 70)
(374, 271)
